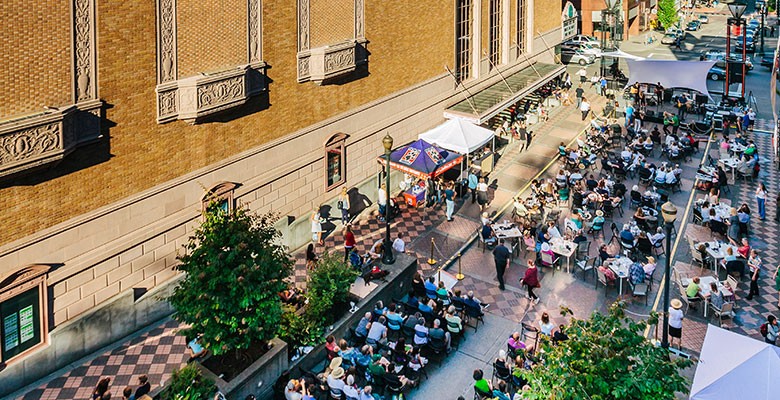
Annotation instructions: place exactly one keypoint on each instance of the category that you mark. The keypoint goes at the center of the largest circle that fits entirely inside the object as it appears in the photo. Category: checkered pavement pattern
(764, 124)
(750, 314)
(156, 353)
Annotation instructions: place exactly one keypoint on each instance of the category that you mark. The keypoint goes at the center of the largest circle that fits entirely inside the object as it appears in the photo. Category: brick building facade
(118, 118)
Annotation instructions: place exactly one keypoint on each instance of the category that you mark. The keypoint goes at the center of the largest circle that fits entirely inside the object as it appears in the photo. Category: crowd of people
(102, 390)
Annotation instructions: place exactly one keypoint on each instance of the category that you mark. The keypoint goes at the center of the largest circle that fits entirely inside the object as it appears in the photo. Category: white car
(585, 39)
(585, 48)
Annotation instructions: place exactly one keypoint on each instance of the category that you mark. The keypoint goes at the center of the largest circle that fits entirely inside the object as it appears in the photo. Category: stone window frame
(522, 26)
(337, 141)
(495, 8)
(222, 191)
(192, 98)
(322, 64)
(19, 282)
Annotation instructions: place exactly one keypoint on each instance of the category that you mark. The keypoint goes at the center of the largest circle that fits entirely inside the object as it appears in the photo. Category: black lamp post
(737, 8)
(605, 16)
(763, 11)
(669, 213)
(387, 256)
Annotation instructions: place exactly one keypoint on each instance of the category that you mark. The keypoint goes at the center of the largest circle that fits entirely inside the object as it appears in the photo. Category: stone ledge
(325, 63)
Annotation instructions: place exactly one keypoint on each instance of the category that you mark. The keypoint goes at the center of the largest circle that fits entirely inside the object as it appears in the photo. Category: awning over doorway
(490, 101)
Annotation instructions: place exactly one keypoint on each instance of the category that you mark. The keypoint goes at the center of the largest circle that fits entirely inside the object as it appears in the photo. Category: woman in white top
(343, 205)
(316, 226)
(482, 193)
(675, 322)
(545, 325)
(761, 199)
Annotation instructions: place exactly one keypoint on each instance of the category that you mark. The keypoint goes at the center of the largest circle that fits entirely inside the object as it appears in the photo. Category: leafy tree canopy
(606, 357)
(234, 269)
(188, 384)
(667, 13)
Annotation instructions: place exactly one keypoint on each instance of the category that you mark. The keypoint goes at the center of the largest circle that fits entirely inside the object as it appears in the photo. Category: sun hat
(338, 373)
(651, 259)
(676, 304)
(335, 362)
(600, 213)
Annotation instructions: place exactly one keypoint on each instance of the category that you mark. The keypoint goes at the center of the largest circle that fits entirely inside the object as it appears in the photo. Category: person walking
(530, 135)
(677, 43)
(579, 92)
(473, 181)
(761, 200)
(501, 255)
(316, 226)
(584, 108)
(343, 205)
(449, 199)
(603, 86)
(531, 281)
(349, 242)
(675, 322)
(382, 201)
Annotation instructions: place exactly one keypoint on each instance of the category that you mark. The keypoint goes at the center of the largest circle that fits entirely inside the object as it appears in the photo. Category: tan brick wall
(211, 34)
(332, 21)
(34, 56)
(403, 50)
(547, 16)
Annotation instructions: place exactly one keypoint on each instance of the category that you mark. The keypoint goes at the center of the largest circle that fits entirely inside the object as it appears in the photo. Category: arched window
(24, 312)
(335, 161)
(221, 195)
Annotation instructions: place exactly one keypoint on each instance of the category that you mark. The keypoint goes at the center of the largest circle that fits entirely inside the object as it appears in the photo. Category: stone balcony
(324, 63)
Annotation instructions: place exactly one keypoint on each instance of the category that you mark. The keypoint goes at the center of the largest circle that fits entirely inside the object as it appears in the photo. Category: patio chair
(502, 372)
(727, 309)
(658, 249)
(615, 233)
(602, 279)
(583, 249)
(596, 228)
(588, 264)
(548, 260)
(641, 289)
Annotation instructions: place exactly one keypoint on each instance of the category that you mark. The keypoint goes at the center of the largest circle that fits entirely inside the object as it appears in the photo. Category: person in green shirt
(675, 124)
(693, 289)
(481, 385)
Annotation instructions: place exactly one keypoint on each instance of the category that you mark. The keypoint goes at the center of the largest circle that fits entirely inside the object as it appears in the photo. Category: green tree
(188, 384)
(606, 357)
(234, 269)
(327, 286)
(667, 13)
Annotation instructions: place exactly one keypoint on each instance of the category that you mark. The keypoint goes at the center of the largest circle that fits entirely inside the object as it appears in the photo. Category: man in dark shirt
(579, 92)
(501, 255)
(144, 386)
(436, 333)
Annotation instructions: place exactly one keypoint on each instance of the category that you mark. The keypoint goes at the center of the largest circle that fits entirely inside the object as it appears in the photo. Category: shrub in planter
(188, 384)
(328, 285)
(235, 268)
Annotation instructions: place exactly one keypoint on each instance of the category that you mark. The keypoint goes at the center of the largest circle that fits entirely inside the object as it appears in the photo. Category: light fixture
(611, 3)
(669, 212)
(387, 142)
(737, 8)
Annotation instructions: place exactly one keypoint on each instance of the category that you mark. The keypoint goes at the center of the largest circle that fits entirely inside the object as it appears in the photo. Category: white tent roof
(458, 135)
(671, 73)
(621, 54)
(734, 366)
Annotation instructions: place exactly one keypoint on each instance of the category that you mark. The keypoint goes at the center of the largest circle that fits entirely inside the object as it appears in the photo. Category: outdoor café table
(564, 248)
(723, 211)
(717, 251)
(507, 230)
(704, 284)
(730, 163)
(736, 148)
(620, 267)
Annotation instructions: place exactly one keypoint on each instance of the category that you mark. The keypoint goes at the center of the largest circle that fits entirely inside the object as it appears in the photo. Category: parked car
(704, 19)
(720, 58)
(585, 48)
(585, 39)
(750, 48)
(570, 55)
(716, 74)
(693, 26)
(768, 60)
(679, 32)
(669, 38)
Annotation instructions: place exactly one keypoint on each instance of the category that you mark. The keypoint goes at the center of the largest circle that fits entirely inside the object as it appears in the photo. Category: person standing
(530, 136)
(316, 226)
(772, 330)
(482, 193)
(603, 86)
(343, 205)
(311, 257)
(501, 255)
(449, 199)
(473, 182)
(579, 92)
(349, 242)
(583, 74)
(584, 108)
(761, 200)
(675, 322)
(754, 262)
(531, 281)
(675, 124)
(776, 277)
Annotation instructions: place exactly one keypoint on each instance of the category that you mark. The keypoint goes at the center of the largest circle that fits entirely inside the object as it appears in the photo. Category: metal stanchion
(431, 260)
(460, 275)
(439, 272)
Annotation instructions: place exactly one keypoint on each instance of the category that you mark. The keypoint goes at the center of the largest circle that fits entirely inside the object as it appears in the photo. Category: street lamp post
(737, 8)
(605, 16)
(763, 13)
(387, 256)
(669, 213)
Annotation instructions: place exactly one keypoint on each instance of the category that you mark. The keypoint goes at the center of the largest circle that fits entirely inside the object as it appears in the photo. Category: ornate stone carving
(328, 62)
(303, 25)
(303, 67)
(84, 49)
(255, 31)
(221, 92)
(340, 60)
(359, 29)
(167, 104)
(34, 140)
(166, 41)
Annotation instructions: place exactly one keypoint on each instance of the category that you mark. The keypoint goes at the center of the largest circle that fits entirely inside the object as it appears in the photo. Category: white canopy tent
(621, 54)
(458, 135)
(733, 366)
(671, 73)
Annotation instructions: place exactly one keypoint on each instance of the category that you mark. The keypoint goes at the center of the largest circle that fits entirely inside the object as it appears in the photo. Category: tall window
(463, 40)
(521, 14)
(494, 49)
(334, 161)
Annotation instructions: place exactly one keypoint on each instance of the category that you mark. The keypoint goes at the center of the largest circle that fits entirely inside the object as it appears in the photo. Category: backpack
(763, 329)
